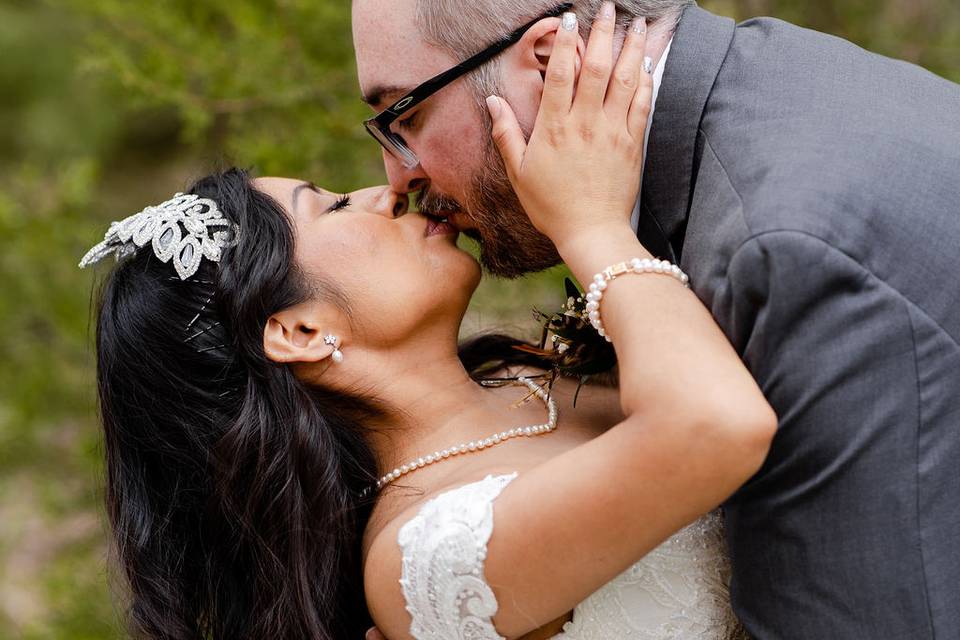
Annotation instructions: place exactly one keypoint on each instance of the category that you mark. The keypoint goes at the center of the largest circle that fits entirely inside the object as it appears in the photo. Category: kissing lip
(459, 220)
(439, 226)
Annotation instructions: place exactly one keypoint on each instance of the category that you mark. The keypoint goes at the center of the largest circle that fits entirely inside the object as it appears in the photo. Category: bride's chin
(470, 279)
(476, 275)
(455, 273)
(463, 280)
(464, 268)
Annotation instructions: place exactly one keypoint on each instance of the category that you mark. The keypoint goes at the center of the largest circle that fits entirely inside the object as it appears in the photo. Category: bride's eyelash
(342, 203)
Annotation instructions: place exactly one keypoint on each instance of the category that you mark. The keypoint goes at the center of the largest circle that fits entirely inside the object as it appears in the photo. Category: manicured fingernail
(640, 26)
(609, 10)
(569, 21)
(648, 64)
(493, 105)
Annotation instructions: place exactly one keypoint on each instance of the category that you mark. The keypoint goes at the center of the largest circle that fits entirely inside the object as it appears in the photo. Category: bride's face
(398, 271)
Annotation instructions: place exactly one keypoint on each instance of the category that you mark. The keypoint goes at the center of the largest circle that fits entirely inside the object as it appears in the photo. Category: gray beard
(510, 246)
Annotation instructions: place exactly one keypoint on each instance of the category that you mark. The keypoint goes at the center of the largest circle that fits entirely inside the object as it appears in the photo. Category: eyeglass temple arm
(441, 80)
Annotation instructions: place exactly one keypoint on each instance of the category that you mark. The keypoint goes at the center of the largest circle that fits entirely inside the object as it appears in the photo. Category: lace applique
(678, 590)
(444, 548)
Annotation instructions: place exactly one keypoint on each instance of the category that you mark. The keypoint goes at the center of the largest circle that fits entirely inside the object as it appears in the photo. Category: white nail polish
(648, 64)
(493, 105)
(569, 21)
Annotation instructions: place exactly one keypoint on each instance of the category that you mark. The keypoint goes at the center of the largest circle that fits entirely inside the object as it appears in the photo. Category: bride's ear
(297, 335)
(536, 46)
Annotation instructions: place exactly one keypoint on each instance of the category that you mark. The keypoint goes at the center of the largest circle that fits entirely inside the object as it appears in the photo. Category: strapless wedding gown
(680, 590)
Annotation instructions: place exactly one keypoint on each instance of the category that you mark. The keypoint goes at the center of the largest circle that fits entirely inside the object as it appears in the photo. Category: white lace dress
(680, 590)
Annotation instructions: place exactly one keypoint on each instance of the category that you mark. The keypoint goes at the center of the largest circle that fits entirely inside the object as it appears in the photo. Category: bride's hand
(580, 171)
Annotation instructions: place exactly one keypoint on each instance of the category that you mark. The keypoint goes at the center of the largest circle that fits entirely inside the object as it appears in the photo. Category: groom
(812, 191)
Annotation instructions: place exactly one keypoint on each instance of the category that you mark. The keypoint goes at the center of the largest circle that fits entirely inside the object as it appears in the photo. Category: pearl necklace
(478, 445)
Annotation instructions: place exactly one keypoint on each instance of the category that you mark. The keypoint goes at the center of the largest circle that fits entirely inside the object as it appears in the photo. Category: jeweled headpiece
(185, 228)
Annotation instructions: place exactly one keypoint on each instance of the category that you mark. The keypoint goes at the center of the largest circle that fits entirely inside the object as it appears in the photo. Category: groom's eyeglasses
(379, 125)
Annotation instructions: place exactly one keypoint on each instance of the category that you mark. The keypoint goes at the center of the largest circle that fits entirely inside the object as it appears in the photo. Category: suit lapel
(699, 48)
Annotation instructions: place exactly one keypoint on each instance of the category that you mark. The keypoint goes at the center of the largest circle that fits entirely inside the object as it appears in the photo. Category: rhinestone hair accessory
(185, 228)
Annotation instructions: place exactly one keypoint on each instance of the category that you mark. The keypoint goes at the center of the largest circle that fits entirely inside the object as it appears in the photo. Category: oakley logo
(403, 104)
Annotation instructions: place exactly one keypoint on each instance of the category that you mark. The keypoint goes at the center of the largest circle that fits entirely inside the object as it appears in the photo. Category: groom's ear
(536, 46)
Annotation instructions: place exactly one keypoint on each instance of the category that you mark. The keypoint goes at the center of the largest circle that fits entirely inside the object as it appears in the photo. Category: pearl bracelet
(636, 265)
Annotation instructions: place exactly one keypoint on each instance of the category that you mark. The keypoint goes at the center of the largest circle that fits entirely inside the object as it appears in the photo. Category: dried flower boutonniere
(572, 345)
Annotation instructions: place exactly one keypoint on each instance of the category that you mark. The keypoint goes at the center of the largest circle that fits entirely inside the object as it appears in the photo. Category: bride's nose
(382, 201)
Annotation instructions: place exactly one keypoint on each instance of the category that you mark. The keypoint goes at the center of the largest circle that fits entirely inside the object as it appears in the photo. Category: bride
(296, 447)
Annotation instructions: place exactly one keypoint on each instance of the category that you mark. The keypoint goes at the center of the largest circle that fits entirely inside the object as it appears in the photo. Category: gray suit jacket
(811, 189)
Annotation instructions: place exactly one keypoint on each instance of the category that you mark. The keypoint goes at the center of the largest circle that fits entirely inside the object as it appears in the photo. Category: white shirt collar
(657, 80)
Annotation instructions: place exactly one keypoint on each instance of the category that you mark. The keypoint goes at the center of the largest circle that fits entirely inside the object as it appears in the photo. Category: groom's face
(460, 174)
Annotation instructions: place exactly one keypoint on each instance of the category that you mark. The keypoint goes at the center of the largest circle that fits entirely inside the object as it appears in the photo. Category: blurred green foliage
(108, 105)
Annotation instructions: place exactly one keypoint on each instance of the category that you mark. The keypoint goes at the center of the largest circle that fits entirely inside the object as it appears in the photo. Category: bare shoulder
(383, 567)
(383, 562)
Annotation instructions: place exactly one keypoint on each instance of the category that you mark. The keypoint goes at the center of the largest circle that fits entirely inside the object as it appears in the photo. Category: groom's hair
(464, 27)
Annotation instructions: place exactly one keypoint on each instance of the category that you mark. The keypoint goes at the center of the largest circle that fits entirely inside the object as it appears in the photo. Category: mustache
(436, 204)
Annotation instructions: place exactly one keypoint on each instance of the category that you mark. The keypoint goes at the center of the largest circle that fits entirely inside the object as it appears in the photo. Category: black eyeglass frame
(379, 125)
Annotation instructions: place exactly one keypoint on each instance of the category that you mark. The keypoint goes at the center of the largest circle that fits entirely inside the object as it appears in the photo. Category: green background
(109, 105)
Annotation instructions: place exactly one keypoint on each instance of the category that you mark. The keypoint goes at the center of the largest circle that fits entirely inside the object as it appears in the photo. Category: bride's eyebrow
(296, 193)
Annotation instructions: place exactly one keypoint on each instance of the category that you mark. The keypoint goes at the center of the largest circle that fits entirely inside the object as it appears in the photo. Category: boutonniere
(571, 344)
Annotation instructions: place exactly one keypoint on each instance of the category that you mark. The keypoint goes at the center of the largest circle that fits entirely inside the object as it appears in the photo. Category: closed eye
(409, 123)
(342, 203)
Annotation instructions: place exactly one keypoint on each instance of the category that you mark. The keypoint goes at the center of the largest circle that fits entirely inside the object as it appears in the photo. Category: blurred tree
(267, 82)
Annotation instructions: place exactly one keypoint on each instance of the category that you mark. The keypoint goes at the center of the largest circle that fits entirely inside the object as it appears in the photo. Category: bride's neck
(431, 401)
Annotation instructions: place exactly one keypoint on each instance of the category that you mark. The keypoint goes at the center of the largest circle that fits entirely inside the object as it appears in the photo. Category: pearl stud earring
(332, 341)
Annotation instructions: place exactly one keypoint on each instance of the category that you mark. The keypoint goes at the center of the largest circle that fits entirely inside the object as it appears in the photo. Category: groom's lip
(459, 220)
(437, 226)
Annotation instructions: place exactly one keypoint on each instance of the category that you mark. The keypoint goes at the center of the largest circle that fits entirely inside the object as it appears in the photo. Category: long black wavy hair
(233, 489)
